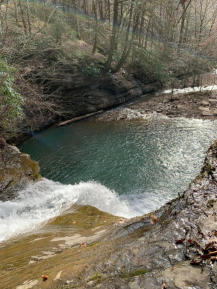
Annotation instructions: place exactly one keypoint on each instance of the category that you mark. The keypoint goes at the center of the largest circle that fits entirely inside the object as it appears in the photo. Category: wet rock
(184, 276)
(16, 170)
(28, 284)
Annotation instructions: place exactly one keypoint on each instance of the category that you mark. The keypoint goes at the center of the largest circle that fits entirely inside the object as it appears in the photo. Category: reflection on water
(137, 166)
(133, 158)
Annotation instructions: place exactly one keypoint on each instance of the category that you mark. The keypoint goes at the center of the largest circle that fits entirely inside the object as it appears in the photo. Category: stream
(127, 168)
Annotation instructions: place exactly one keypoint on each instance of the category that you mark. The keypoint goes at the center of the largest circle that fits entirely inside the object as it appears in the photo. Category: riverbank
(190, 102)
(174, 247)
(197, 105)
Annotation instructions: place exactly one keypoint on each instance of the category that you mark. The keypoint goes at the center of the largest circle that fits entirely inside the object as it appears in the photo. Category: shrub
(147, 67)
(11, 102)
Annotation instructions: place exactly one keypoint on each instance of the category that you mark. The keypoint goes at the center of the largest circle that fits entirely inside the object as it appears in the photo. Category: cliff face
(16, 170)
(70, 93)
(79, 94)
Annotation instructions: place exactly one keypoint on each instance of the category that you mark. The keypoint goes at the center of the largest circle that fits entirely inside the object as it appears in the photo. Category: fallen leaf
(196, 261)
(207, 256)
(180, 241)
(193, 242)
(154, 219)
(44, 277)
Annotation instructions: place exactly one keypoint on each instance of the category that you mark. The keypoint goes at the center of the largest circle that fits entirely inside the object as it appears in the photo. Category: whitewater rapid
(42, 201)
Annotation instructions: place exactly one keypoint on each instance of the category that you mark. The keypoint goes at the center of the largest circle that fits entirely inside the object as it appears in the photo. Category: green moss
(97, 277)
(94, 244)
(133, 273)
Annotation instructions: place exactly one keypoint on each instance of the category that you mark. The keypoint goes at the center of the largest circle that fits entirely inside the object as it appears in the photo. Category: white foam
(191, 89)
(131, 114)
(46, 199)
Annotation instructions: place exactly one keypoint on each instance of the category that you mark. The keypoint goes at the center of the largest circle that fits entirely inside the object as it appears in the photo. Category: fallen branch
(79, 118)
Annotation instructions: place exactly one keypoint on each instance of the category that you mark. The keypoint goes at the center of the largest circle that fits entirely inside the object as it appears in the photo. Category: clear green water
(142, 162)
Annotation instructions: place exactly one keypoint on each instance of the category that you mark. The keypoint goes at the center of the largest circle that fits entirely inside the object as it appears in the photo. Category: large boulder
(16, 170)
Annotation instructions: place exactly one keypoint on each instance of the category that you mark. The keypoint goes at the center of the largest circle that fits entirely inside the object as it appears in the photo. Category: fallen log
(79, 118)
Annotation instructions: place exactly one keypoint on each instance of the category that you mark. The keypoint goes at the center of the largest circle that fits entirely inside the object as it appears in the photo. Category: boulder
(204, 103)
(16, 170)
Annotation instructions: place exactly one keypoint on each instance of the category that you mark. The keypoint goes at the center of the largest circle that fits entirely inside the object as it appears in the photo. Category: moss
(28, 164)
(210, 203)
(85, 217)
(94, 244)
(97, 277)
(133, 273)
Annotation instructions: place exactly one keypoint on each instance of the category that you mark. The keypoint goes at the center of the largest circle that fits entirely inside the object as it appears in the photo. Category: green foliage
(148, 68)
(91, 70)
(59, 28)
(11, 102)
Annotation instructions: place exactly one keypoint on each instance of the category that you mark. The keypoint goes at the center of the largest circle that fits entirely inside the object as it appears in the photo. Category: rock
(134, 285)
(16, 170)
(76, 94)
(207, 113)
(204, 108)
(213, 101)
(90, 283)
(184, 276)
(180, 106)
(205, 102)
(2, 143)
(28, 284)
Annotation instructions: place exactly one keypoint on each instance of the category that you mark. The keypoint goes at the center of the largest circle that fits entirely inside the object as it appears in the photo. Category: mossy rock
(85, 217)
(133, 273)
(17, 170)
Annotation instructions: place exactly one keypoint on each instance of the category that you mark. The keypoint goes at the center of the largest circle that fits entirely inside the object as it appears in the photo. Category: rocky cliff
(16, 170)
(66, 91)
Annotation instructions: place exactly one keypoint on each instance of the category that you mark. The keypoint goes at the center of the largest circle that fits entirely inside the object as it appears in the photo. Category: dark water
(155, 160)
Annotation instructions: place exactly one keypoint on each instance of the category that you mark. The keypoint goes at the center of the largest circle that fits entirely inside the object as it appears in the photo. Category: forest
(108, 144)
(161, 40)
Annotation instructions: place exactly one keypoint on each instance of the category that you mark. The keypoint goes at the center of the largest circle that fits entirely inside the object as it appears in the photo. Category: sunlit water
(126, 168)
